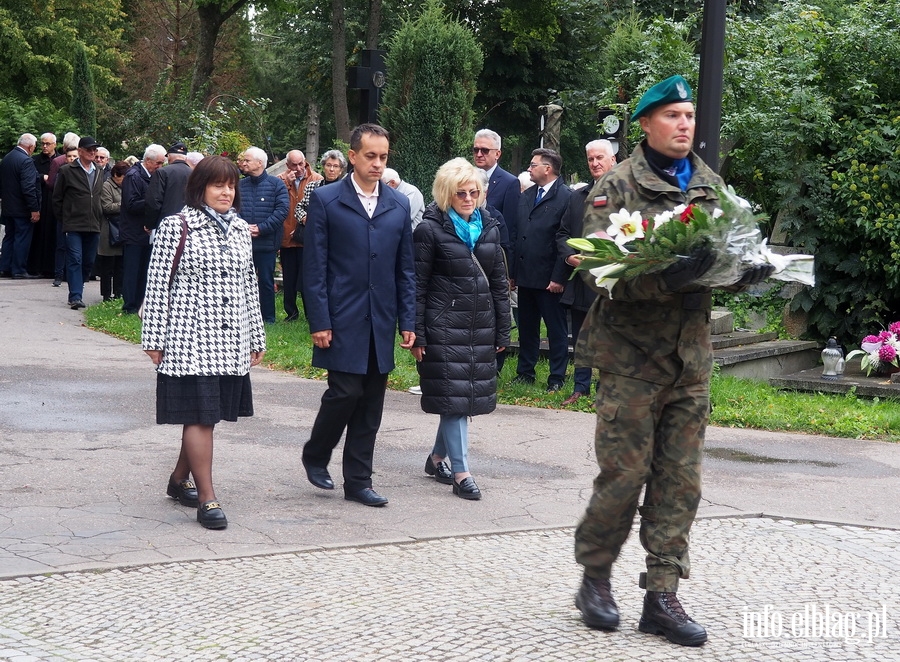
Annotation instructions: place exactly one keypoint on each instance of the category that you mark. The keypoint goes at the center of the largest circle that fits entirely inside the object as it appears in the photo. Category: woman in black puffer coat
(462, 316)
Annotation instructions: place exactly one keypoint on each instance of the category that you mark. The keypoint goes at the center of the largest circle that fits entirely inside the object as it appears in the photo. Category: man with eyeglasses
(264, 205)
(538, 272)
(503, 187)
(296, 176)
(102, 161)
(165, 194)
(133, 228)
(42, 257)
(76, 203)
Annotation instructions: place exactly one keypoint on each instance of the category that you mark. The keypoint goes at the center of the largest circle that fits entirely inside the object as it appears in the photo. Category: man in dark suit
(578, 297)
(358, 282)
(134, 231)
(21, 206)
(165, 193)
(538, 271)
(503, 193)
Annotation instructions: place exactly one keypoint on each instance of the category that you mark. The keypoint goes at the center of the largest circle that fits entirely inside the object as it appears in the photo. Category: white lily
(605, 276)
(625, 227)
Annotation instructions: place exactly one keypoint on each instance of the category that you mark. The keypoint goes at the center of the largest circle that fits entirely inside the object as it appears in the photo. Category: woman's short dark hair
(119, 169)
(211, 170)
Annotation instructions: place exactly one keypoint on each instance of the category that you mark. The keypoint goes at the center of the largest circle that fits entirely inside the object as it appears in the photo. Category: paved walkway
(97, 564)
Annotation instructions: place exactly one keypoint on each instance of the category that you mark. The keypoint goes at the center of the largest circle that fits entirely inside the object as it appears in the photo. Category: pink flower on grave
(871, 339)
(894, 328)
(887, 353)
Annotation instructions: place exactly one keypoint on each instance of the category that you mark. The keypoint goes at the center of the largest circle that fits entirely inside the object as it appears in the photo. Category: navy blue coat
(265, 203)
(131, 217)
(503, 193)
(358, 275)
(18, 184)
(536, 261)
(578, 294)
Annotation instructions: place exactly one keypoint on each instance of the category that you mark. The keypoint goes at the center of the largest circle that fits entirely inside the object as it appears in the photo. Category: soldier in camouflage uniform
(651, 342)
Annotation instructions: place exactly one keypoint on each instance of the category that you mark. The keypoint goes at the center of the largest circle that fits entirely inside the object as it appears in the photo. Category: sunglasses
(462, 195)
(482, 150)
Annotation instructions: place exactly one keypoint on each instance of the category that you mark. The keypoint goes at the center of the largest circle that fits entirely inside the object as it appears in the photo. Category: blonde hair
(450, 177)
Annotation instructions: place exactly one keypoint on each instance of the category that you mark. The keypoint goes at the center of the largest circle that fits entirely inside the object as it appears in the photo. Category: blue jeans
(452, 442)
(81, 249)
(264, 261)
(135, 262)
(16, 242)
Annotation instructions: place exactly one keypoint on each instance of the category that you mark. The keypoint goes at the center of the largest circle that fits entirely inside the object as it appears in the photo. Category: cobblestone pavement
(487, 597)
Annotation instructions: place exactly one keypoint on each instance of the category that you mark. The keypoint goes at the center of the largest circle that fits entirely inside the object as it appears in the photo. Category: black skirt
(202, 400)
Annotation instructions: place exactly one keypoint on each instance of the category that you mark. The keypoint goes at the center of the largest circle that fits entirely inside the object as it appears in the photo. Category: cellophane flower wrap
(633, 245)
(879, 351)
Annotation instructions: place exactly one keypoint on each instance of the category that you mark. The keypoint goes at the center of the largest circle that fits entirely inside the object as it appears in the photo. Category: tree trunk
(212, 15)
(312, 133)
(339, 70)
(374, 25)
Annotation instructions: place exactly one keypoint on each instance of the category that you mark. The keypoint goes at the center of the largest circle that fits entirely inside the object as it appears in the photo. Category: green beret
(671, 90)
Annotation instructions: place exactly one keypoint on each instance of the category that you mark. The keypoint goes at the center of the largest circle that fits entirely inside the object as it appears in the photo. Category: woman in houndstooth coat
(202, 326)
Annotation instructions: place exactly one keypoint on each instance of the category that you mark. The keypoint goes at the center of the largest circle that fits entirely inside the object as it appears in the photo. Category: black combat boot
(663, 614)
(594, 600)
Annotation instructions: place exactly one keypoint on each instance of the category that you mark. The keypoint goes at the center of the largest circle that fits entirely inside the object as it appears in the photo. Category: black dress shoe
(595, 602)
(367, 497)
(25, 276)
(553, 388)
(75, 305)
(5, 274)
(467, 489)
(522, 379)
(318, 476)
(664, 615)
(183, 491)
(57, 282)
(211, 515)
(440, 471)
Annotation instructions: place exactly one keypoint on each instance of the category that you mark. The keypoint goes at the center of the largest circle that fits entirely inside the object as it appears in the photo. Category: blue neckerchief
(222, 220)
(467, 231)
(683, 171)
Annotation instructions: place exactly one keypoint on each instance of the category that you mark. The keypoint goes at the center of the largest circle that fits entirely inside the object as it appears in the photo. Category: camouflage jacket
(646, 331)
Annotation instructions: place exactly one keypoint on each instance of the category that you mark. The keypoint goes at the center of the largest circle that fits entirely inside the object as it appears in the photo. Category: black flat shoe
(367, 497)
(440, 471)
(467, 489)
(318, 476)
(211, 515)
(183, 491)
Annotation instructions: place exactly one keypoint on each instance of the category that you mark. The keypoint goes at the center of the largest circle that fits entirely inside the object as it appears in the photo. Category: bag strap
(178, 251)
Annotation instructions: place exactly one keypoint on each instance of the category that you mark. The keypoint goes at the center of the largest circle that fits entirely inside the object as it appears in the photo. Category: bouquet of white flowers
(632, 245)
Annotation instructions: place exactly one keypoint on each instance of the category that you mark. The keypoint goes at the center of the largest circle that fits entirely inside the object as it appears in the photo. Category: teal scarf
(469, 231)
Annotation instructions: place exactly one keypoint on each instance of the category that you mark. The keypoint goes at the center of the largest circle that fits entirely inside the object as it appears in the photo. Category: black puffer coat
(462, 315)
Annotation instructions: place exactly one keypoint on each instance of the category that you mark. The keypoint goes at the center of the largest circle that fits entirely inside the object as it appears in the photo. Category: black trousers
(292, 280)
(355, 403)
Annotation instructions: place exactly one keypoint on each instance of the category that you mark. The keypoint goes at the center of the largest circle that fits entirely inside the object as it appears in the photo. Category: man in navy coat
(359, 286)
(538, 270)
(21, 206)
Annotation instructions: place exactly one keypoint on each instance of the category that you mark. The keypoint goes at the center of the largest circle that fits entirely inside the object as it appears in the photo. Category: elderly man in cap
(165, 193)
(651, 339)
(76, 204)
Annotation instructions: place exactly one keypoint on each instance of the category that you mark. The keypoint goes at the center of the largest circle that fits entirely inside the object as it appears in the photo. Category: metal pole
(712, 64)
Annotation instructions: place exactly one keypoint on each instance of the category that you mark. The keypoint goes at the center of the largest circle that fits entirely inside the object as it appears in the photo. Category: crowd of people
(195, 242)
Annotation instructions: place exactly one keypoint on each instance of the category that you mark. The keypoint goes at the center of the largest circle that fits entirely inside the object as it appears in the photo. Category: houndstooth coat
(212, 321)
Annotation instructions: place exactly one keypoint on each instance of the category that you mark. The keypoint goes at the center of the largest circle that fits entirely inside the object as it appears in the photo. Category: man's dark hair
(362, 129)
(551, 157)
(120, 168)
(211, 170)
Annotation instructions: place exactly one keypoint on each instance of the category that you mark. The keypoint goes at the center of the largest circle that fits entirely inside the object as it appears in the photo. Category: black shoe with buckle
(183, 491)
(467, 489)
(211, 515)
(595, 602)
(440, 471)
(664, 615)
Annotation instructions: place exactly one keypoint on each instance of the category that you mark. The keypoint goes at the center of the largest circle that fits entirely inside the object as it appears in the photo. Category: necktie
(540, 194)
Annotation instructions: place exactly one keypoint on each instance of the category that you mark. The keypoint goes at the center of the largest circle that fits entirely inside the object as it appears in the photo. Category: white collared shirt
(368, 201)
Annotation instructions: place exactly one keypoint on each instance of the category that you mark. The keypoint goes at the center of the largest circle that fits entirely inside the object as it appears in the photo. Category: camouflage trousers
(647, 435)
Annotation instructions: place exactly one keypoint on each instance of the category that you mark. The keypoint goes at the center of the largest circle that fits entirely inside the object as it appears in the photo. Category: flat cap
(88, 143)
(178, 148)
(672, 90)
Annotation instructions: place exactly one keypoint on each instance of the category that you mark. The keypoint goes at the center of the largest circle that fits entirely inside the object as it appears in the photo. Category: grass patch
(737, 403)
